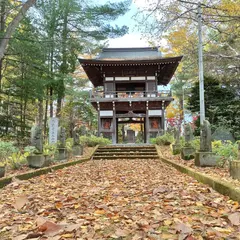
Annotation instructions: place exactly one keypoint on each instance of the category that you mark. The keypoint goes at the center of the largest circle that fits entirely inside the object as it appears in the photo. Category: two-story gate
(130, 79)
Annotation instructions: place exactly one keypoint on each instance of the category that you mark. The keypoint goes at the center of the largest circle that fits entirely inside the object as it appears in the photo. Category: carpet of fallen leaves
(220, 173)
(127, 199)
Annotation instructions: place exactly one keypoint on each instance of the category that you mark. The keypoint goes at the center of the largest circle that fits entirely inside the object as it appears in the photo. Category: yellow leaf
(224, 230)
(199, 204)
(167, 236)
(99, 212)
(68, 235)
(59, 205)
(167, 222)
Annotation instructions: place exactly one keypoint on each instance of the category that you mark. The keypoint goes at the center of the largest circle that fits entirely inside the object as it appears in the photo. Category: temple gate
(127, 82)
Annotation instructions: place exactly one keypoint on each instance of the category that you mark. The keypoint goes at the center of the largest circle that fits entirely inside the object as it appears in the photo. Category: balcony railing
(130, 94)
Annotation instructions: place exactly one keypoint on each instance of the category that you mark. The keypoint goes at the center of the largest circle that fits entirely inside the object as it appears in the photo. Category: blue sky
(133, 38)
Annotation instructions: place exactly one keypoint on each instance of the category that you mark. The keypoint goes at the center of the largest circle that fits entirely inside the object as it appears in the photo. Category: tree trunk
(2, 28)
(39, 118)
(24, 114)
(63, 68)
(13, 25)
(45, 115)
(51, 101)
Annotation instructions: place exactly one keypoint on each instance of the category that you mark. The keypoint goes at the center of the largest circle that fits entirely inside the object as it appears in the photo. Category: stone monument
(37, 160)
(205, 156)
(235, 166)
(62, 151)
(77, 148)
(176, 147)
(53, 130)
(82, 130)
(36, 138)
(188, 152)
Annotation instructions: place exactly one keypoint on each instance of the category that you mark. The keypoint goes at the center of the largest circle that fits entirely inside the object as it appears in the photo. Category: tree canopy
(40, 71)
(222, 104)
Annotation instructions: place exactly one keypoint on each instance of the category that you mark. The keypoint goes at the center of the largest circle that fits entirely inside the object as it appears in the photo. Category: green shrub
(153, 141)
(30, 149)
(6, 150)
(165, 139)
(50, 150)
(17, 160)
(69, 144)
(196, 143)
(226, 151)
(92, 141)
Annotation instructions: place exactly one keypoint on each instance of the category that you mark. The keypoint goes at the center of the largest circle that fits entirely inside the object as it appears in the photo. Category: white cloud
(128, 40)
(143, 3)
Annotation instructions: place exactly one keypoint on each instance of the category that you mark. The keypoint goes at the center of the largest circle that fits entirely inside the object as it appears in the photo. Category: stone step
(127, 147)
(126, 150)
(125, 157)
(125, 153)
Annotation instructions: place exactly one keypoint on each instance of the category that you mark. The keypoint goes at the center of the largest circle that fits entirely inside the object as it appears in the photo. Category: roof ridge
(142, 49)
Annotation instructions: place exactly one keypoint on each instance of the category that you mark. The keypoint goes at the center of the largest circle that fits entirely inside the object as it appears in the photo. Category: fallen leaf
(235, 218)
(199, 204)
(20, 202)
(34, 235)
(167, 222)
(183, 228)
(72, 227)
(99, 212)
(59, 205)
(47, 227)
(223, 230)
(161, 189)
(121, 233)
(21, 237)
(68, 235)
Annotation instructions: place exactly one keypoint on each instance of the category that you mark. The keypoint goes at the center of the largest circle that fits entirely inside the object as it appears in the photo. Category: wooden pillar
(99, 119)
(117, 130)
(163, 117)
(114, 134)
(147, 124)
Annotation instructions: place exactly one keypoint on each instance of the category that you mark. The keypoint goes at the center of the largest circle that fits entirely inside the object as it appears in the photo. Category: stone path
(116, 200)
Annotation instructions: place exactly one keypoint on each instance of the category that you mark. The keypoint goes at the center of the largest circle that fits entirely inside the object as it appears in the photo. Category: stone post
(62, 151)
(176, 147)
(235, 166)
(205, 156)
(188, 152)
(36, 138)
(77, 148)
(37, 160)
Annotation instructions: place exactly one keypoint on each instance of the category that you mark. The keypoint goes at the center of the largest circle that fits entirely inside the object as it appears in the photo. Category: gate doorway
(131, 130)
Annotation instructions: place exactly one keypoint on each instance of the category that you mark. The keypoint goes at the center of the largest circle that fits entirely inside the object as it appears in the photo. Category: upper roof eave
(132, 61)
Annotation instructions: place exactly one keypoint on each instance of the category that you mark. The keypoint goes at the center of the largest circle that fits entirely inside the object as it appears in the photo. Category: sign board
(53, 130)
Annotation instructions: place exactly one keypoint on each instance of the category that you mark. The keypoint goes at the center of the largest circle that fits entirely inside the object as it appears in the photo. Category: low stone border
(222, 187)
(24, 176)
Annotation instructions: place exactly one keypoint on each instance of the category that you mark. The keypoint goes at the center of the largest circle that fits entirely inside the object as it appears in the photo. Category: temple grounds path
(127, 199)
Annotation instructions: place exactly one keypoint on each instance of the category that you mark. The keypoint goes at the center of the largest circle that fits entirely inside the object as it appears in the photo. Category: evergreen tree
(222, 104)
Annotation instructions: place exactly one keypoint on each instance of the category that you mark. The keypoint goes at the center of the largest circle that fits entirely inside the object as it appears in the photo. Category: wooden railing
(130, 94)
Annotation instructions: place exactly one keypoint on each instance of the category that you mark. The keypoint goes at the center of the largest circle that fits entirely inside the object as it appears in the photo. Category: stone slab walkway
(116, 200)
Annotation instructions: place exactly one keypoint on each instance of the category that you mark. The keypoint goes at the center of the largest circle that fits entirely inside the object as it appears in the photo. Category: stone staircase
(115, 152)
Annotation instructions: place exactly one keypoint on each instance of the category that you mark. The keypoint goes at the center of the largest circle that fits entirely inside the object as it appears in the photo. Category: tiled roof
(129, 53)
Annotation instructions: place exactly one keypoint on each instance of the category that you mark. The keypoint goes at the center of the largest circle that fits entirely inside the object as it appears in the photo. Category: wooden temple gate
(126, 82)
